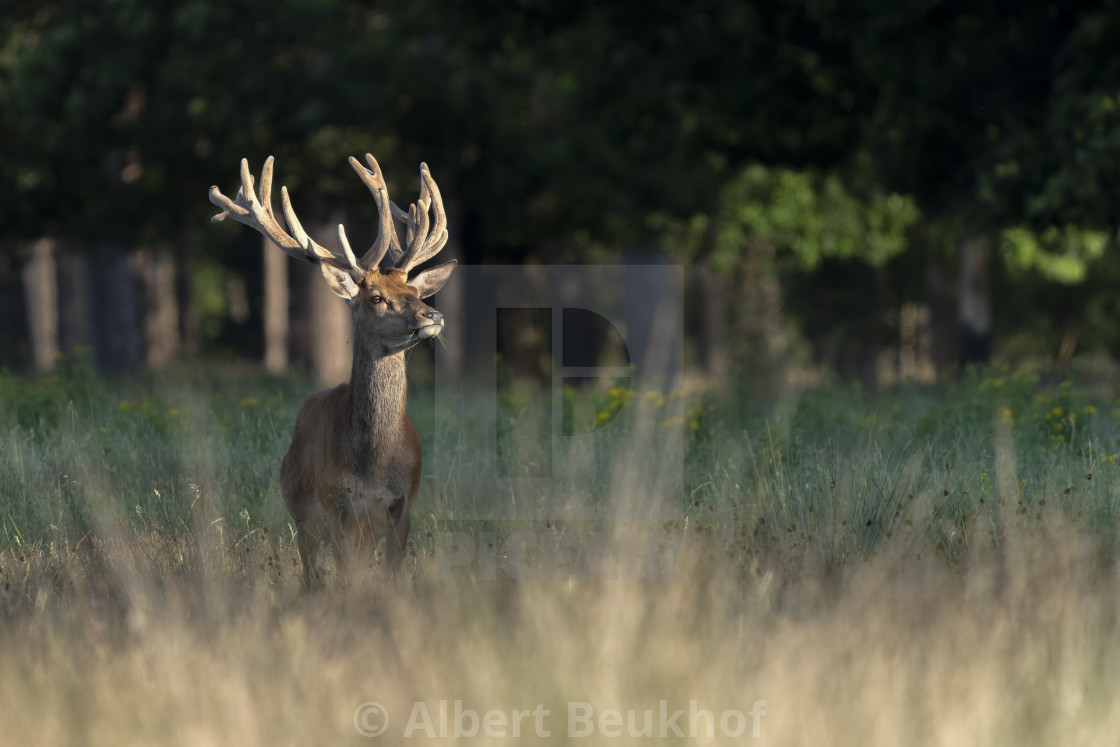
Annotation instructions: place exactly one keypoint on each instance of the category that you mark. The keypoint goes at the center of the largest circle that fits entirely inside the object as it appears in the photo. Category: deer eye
(376, 299)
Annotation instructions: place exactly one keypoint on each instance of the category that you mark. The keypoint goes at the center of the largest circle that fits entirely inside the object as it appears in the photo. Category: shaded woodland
(870, 191)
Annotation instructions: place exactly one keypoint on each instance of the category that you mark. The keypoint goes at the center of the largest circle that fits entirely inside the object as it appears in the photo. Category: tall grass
(911, 567)
(76, 450)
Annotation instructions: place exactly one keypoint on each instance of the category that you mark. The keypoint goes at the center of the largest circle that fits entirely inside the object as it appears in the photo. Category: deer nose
(433, 316)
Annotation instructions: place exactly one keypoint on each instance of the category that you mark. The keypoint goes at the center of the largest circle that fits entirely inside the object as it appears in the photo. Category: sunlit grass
(914, 567)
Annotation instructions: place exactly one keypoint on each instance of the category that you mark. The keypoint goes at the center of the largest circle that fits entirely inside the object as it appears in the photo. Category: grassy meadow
(914, 566)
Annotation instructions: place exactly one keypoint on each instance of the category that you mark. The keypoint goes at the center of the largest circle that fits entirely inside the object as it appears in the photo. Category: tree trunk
(116, 333)
(75, 305)
(331, 327)
(759, 321)
(14, 343)
(915, 344)
(941, 302)
(40, 284)
(332, 334)
(275, 311)
(189, 332)
(711, 292)
(160, 311)
(974, 301)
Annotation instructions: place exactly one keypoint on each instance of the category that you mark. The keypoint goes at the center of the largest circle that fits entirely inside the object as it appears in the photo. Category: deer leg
(346, 534)
(340, 564)
(400, 519)
(308, 543)
(350, 543)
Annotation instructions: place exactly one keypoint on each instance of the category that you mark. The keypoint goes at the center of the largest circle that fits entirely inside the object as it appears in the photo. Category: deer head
(386, 303)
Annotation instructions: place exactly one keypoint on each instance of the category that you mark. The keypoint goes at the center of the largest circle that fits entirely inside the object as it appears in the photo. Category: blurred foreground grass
(913, 567)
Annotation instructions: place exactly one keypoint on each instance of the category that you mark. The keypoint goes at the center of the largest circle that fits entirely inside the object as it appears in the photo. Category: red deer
(352, 472)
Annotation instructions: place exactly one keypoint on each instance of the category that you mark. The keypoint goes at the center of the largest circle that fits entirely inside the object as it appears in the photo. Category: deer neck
(378, 389)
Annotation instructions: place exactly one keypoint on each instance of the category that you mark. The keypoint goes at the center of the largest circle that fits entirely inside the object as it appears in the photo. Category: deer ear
(340, 282)
(432, 279)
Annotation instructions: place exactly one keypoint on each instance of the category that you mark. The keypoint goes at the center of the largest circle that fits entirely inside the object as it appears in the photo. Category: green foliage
(569, 123)
(1068, 166)
(123, 104)
(811, 216)
(1062, 254)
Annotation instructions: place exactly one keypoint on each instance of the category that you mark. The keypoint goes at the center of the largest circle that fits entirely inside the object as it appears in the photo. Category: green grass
(76, 451)
(909, 567)
(836, 468)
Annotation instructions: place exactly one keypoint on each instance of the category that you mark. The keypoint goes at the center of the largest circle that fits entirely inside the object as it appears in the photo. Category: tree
(123, 114)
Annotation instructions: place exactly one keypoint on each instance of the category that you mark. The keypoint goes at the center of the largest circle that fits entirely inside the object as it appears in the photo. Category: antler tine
(395, 251)
(398, 213)
(248, 210)
(257, 213)
(417, 228)
(438, 235)
(423, 243)
(423, 204)
(386, 233)
(315, 251)
(265, 185)
(387, 223)
(346, 248)
(304, 241)
(410, 234)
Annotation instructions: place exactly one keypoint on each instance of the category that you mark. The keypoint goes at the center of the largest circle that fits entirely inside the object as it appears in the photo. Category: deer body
(352, 471)
(344, 485)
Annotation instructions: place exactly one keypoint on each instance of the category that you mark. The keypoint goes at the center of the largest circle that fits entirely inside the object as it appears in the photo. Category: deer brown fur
(352, 471)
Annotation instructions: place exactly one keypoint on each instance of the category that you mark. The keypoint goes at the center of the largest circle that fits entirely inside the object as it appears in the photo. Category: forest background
(859, 191)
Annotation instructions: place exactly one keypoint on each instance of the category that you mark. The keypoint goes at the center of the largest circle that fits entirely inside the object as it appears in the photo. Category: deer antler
(422, 240)
(257, 213)
(386, 231)
(421, 243)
